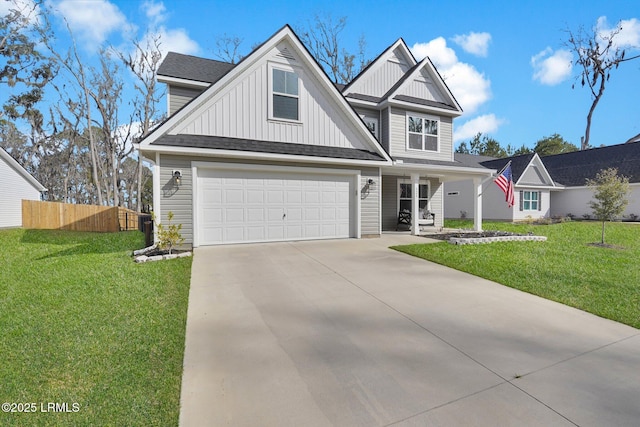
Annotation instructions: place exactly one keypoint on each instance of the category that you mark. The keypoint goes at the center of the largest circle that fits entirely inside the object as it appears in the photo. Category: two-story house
(269, 149)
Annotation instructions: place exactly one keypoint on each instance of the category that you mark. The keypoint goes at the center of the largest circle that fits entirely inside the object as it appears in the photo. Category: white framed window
(372, 124)
(405, 190)
(530, 200)
(284, 98)
(422, 132)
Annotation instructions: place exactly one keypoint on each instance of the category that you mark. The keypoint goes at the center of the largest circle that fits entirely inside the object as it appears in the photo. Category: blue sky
(505, 62)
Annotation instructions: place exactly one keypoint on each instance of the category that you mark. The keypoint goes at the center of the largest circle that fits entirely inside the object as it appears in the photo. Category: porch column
(477, 204)
(415, 194)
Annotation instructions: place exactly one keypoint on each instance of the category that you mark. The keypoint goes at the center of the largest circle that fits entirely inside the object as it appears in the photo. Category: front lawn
(84, 327)
(565, 268)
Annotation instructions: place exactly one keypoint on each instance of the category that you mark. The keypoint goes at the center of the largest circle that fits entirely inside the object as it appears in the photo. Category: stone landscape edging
(480, 240)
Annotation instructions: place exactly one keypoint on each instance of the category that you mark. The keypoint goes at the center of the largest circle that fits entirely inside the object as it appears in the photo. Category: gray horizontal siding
(398, 141)
(370, 202)
(180, 200)
(179, 96)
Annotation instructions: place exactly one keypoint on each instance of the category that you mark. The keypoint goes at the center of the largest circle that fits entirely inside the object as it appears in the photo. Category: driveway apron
(350, 332)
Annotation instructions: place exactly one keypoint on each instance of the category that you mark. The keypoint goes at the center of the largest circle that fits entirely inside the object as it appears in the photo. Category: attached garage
(242, 204)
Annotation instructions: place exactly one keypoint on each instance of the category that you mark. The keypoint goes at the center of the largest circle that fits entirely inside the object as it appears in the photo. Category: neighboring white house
(17, 184)
(269, 149)
(573, 170)
(547, 186)
(533, 189)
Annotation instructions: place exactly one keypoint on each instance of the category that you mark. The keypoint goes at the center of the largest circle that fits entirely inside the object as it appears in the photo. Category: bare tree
(598, 54)
(227, 48)
(322, 38)
(144, 65)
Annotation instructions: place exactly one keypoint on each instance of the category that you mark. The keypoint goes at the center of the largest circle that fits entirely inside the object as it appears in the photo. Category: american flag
(505, 182)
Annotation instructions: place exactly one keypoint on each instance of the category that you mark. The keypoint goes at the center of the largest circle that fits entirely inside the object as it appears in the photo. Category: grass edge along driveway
(81, 323)
(565, 268)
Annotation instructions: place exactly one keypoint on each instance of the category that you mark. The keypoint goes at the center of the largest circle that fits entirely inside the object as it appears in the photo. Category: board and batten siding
(180, 200)
(14, 188)
(423, 87)
(179, 96)
(378, 82)
(398, 138)
(241, 110)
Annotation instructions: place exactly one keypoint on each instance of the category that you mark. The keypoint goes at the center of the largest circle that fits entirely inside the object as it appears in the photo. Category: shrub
(169, 237)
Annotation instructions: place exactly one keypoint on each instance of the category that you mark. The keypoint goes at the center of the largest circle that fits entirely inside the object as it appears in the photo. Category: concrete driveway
(348, 332)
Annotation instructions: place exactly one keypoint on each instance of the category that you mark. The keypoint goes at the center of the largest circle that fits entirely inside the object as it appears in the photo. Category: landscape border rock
(144, 258)
(479, 240)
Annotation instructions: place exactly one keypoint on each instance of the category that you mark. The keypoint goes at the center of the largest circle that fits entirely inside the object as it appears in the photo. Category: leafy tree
(322, 38)
(518, 151)
(482, 145)
(553, 144)
(610, 195)
(24, 69)
(598, 54)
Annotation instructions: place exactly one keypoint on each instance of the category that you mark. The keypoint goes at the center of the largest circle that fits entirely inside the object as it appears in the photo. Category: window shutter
(539, 200)
(521, 200)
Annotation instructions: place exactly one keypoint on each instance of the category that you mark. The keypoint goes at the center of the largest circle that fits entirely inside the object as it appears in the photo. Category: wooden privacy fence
(65, 216)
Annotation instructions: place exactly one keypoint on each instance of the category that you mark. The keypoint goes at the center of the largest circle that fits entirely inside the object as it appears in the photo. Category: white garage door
(235, 206)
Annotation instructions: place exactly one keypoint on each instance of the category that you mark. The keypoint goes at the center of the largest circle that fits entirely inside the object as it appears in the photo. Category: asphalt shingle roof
(193, 68)
(573, 169)
(458, 162)
(237, 144)
(518, 164)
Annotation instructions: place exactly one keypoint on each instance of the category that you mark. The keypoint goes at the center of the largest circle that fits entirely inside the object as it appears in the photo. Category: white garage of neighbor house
(269, 149)
(17, 184)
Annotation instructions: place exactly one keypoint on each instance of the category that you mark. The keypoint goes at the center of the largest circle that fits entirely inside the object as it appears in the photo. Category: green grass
(565, 268)
(80, 322)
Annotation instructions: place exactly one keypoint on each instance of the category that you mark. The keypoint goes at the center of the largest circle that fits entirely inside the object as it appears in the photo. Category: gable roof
(427, 65)
(20, 170)
(450, 106)
(153, 141)
(518, 164)
(193, 68)
(573, 169)
(397, 44)
(634, 139)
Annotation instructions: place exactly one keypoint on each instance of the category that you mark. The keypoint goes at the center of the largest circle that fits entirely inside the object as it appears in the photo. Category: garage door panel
(255, 215)
(252, 206)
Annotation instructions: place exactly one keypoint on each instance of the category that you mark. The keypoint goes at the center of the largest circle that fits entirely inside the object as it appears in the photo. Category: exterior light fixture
(177, 177)
(370, 181)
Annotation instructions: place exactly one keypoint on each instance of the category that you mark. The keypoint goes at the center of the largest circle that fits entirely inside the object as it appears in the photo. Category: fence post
(147, 234)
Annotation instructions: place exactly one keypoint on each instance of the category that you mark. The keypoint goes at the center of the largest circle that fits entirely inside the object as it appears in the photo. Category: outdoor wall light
(177, 177)
(370, 181)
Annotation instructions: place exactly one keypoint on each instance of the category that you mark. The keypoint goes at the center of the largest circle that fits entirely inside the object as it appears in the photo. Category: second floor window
(422, 133)
(285, 95)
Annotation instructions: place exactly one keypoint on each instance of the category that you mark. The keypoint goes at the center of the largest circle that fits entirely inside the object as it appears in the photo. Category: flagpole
(493, 177)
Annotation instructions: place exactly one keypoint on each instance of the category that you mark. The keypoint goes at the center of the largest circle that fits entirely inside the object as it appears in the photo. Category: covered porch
(409, 188)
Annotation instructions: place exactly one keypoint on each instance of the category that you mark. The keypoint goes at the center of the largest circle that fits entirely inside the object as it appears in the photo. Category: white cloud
(175, 40)
(470, 87)
(156, 13)
(628, 36)
(27, 8)
(487, 123)
(474, 43)
(551, 68)
(92, 21)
